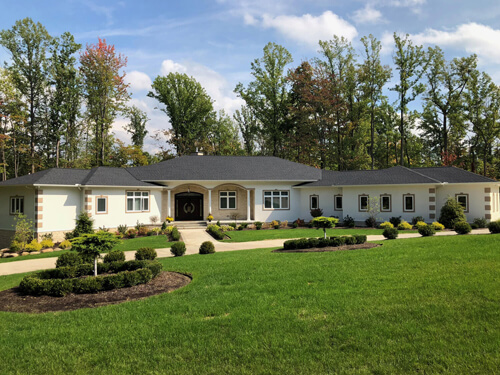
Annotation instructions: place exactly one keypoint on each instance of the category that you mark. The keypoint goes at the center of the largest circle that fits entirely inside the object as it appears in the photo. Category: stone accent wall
(432, 204)
(6, 238)
(88, 202)
(487, 201)
(38, 210)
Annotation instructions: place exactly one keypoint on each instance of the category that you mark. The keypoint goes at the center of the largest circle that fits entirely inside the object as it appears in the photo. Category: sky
(215, 41)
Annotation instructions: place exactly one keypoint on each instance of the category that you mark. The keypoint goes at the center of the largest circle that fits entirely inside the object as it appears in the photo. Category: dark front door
(189, 206)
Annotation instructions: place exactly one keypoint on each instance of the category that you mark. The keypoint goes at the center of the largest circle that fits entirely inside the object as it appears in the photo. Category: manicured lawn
(131, 244)
(426, 305)
(274, 234)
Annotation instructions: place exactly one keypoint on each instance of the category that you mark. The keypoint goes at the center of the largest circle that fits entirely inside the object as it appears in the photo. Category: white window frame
(225, 195)
(388, 196)
(17, 203)
(466, 208)
(361, 196)
(281, 195)
(97, 205)
(405, 209)
(341, 201)
(311, 197)
(137, 196)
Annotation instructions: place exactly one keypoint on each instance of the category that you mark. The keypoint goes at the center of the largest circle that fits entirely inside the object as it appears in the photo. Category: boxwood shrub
(64, 280)
(215, 232)
(207, 247)
(175, 235)
(494, 227)
(178, 249)
(426, 230)
(69, 259)
(390, 233)
(114, 256)
(334, 241)
(462, 227)
(145, 253)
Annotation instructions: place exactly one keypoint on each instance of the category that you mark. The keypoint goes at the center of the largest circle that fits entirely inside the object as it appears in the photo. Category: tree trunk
(445, 136)
(372, 122)
(57, 152)
(402, 131)
(95, 266)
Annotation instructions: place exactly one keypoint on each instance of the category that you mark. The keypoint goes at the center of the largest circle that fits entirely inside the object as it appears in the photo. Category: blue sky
(215, 41)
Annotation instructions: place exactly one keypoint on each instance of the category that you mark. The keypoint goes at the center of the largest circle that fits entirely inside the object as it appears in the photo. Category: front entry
(188, 206)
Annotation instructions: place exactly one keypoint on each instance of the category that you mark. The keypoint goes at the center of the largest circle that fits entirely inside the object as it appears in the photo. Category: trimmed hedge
(426, 230)
(462, 227)
(178, 249)
(176, 236)
(494, 227)
(146, 253)
(390, 233)
(207, 247)
(334, 241)
(114, 256)
(64, 280)
(68, 259)
(215, 232)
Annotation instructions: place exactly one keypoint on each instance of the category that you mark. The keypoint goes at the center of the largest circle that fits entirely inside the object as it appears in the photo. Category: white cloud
(215, 84)
(138, 81)
(308, 29)
(368, 14)
(471, 37)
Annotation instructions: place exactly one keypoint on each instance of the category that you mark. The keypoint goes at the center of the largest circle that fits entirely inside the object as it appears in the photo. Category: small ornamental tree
(451, 213)
(324, 223)
(24, 230)
(84, 225)
(92, 245)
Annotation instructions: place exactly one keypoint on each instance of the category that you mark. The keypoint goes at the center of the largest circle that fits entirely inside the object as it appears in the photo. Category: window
(463, 200)
(227, 200)
(409, 203)
(101, 205)
(313, 202)
(338, 203)
(276, 200)
(385, 203)
(16, 205)
(363, 202)
(137, 201)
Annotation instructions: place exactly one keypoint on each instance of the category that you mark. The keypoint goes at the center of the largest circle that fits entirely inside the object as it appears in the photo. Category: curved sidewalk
(193, 239)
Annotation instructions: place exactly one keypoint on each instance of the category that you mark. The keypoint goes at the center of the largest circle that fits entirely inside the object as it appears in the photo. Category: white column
(248, 204)
(169, 210)
(209, 201)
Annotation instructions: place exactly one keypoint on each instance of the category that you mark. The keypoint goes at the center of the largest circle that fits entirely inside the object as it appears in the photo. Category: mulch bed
(367, 245)
(13, 301)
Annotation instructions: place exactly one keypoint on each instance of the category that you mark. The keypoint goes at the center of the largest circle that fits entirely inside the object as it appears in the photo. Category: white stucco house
(248, 188)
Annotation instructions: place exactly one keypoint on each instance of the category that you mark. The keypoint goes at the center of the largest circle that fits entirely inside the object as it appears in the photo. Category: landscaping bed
(330, 248)
(14, 301)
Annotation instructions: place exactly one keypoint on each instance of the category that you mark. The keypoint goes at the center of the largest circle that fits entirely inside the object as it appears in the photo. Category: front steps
(189, 224)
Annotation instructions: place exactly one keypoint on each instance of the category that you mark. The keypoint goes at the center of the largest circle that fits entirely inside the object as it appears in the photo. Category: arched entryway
(188, 206)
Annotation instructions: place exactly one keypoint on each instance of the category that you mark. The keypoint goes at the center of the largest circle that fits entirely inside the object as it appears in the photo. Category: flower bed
(75, 279)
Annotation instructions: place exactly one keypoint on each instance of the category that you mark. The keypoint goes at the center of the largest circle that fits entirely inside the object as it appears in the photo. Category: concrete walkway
(193, 239)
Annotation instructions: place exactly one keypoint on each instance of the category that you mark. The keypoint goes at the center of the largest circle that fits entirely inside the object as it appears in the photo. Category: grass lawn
(131, 244)
(426, 305)
(274, 234)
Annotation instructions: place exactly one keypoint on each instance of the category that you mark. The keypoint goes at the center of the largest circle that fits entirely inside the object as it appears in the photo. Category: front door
(189, 206)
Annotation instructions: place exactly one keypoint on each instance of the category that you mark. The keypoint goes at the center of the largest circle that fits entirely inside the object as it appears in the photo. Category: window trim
(390, 202)
(310, 201)
(10, 205)
(335, 207)
(367, 202)
(275, 209)
(142, 201)
(404, 202)
(97, 212)
(227, 198)
(466, 195)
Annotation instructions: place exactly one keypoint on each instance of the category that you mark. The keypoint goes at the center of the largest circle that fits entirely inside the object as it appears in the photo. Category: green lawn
(131, 244)
(426, 305)
(274, 234)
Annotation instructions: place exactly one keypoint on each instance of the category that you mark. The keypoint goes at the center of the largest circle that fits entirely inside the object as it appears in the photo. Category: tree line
(332, 111)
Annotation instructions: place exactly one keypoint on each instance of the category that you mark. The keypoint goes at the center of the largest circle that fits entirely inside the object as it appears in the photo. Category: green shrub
(480, 222)
(451, 213)
(65, 244)
(419, 224)
(462, 227)
(360, 238)
(494, 227)
(258, 225)
(244, 225)
(91, 245)
(290, 245)
(295, 224)
(316, 212)
(175, 235)
(69, 259)
(84, 225)
(348, 240)
(426, 230)
(395, 221)
(240, 227)
(33, 246)
(215, 232)
(323, 242)
(349, 222)
(114, 256)
(146, 253)
(233, 225)
(122, 229)
(386, 224)
(313, 242)
(437, 226)
(207, 247)
(390, 233)
(47, 243)
(404, 225)
(416, 219)
(322, 222)
(131, 233)
(178, 249)
(337, 241)
(371, 222)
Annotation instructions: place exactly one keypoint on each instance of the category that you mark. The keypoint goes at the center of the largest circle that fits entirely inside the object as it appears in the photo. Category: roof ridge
(135, 178)
(420, 174)
(92, 171)
(469, 172)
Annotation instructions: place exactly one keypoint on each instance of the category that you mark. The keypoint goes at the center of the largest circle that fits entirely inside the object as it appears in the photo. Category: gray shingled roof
(398, 176)
(236, 168)
(104, 176)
